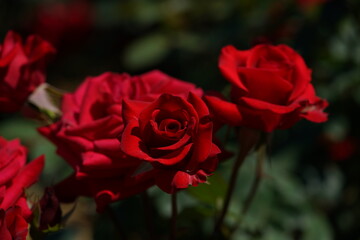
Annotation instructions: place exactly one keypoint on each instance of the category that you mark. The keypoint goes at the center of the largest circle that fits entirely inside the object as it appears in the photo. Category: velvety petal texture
(87, 134)
(22, 69)
(174, 135)
(15, 176)
(271, 89)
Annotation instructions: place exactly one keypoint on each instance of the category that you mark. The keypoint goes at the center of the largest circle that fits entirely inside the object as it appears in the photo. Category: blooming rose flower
(87, 134)
(173, 135)
(271, 88)
(21, 69)
(15, 176)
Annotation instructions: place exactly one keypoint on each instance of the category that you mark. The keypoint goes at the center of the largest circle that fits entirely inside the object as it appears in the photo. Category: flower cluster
(122, 134)
(93, 120)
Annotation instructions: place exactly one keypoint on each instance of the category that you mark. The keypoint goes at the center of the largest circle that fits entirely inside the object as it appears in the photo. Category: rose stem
(148, 214)
(227, 134)
(248, 138)
(116, 222)
(258, 175)
(173, 216)
(259, 171)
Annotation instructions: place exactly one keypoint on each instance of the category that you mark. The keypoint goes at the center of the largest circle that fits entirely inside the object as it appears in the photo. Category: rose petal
(132, 109)
(224, 111)
(203, 137)
(265, 85)
(262, 105)
(26, 177)
(229, 61)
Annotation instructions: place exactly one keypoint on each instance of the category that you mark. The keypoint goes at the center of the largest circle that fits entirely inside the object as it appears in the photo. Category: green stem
(148, 214)
(117, 223)
(248, 138)
(173, 216)
(256, 183)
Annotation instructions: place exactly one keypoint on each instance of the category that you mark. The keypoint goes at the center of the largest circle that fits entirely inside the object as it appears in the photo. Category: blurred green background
(312, 189)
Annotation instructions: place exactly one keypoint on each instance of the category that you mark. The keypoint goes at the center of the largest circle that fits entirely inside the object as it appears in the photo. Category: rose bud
(271, 88)
(50, 211)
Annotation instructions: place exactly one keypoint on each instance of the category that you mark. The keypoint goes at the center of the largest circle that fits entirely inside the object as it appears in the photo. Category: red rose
(174, 136)
(87, 134)
(21, 69)
(271, 88)
(15, 176)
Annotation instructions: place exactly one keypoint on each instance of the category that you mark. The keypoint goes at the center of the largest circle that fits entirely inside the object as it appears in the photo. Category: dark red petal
(230, 59)
(12, 77)
(133, 146)
(167, 105)
(178, 144)
(181, 180)
(224, 111)
(301, 75)
(16, 224)
(4, 232)
(265, 56)
(202, 139)
(156, 83)
(10, 42)
(198, 104)
(266, 85)
(261, 105)
(106, 127)
(132, 109)
(37, 49)
(26, 177)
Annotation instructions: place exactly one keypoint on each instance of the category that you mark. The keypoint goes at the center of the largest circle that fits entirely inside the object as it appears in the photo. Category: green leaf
(146, 51)
(211, 193)
(316, 227)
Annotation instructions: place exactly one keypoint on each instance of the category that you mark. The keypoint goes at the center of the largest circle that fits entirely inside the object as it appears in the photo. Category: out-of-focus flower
(64, 22)
(308, 4)
(15, 176)
(340, 149)
(22, 69)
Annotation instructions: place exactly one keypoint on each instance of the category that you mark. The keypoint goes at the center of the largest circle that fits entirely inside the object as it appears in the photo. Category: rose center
(170, 125)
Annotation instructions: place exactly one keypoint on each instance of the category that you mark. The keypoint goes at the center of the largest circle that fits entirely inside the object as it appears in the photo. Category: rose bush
(86, 136)
(271, 88)
(15, 176)
(22, 69)
(174, 136)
